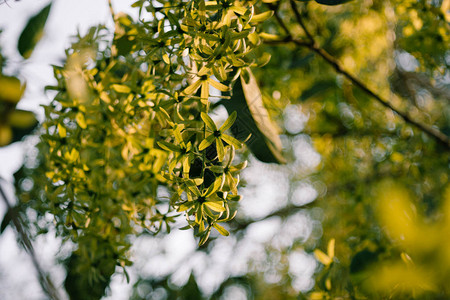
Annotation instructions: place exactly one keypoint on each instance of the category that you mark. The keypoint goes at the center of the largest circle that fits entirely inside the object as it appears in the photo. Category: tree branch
(280, 21)
(312, 45)
(288, 210)
(300, 21)
(291, 209)
(45, 281)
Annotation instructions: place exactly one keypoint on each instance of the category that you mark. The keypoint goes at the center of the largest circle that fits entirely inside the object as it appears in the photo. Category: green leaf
(78, 283)
(206, 142)
(221, 230)
(227, 124)
(124, 44)
(22, 119)
(187, 227)
(231, 140)
(33, 32)
(214, 187)
(22, 123)
(253, 119)
(322, 257)
(234, 197)
(262, 16)
(204, 237)
(168, 146)
(215, 206)
(192, 88)
(199, 215)
(216, 169)
(208, 121)
(11, 89)
(186, 166)
(221, 87)
(185, 206)
(220, 149)
(81, 121)
(5, 135)
(120, 88)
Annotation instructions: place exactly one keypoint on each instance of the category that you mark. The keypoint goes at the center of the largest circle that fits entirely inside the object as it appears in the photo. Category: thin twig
(45, 281)
(288, 210)
(291, 209)
(438, 135)
(300, 21)
(312, 45)
(113, 15)
(287, 40)
(280, 21)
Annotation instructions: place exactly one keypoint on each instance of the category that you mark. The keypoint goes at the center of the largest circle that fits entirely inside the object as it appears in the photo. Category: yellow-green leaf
(120, 88)
(192, 88)
(330, 249)
(62, 131)
(206, 142)
(215, 206)
(221, 87)
(5, 135)
(322, 257)
(81, 120)
(262, 17)
(221, 230)
(11, 89)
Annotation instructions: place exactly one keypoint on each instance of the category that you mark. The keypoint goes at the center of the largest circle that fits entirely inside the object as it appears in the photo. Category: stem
(113, 15)
(45, 281)
(300, 21)
(280, 20)
(312, 45)
(438, 135)
(204, 158)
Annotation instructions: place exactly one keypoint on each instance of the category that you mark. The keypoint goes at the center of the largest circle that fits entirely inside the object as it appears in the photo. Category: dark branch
(46, 283)
(300, 21)
(288, 210)
(312, 45)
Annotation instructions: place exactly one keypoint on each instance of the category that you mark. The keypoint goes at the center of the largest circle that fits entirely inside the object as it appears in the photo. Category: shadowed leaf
(253, 120)
(33, 32)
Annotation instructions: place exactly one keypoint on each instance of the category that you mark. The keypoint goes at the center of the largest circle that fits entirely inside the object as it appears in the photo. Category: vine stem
(45, 281)
(311, 44)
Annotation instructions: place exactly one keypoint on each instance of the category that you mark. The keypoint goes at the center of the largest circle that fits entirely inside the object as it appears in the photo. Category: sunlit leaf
(81, 120)
(215, 206)
(11, 89)
(227, 124)
(262, 16)
(322, 257)
(330, 248)
(120, 88)
(208, 121)
(206, 142)
(221, 230)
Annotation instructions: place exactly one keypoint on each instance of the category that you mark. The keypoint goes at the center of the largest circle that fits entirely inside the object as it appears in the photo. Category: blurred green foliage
(128, 144)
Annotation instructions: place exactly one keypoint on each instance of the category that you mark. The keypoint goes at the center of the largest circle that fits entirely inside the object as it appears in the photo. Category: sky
(153, 256)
